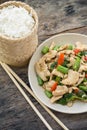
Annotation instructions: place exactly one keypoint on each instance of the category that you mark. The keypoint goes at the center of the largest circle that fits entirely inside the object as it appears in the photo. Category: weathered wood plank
(57, 16)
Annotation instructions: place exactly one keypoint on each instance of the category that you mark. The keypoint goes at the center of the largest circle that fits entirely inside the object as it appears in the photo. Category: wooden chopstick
(27, 98)
(30, 91)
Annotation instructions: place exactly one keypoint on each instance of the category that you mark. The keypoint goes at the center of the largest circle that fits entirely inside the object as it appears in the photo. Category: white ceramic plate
(78, 107)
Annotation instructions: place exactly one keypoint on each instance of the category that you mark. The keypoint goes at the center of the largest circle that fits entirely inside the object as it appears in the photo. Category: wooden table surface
(55, 16)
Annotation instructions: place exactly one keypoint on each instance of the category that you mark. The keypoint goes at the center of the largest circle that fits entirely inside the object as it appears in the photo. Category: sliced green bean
(40, 81)
(45, 50)
(48, 93)
(56, 47)
(70, 47)
(79, 55)
(62, 69)
(84, 88)
(85, 80)
(58, 79)
(77, 64)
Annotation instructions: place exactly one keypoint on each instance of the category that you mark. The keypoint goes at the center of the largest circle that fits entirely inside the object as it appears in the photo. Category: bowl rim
(66, 33)
(69, 112)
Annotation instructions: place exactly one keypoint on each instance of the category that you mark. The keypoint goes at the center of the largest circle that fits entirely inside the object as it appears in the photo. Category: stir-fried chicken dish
(62, 72)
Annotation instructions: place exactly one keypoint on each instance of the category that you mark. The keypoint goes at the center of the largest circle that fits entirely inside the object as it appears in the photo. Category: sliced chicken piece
(50, 55)
(72, 78)
(72, 61)
(52, 46)
(65, 76)
(42, 69)
(60, 91)
(70, 89)
(82, 75)
(81, 46)
(63, 47)
(81, 78)
(73, 55)
(54, 98)
(74, 88)
(48, 85)
(83, 68)
(57, 73)
(67, 52)
(83, 62)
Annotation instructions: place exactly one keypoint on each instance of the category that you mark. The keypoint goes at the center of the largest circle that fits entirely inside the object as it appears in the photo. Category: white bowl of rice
(18, 32)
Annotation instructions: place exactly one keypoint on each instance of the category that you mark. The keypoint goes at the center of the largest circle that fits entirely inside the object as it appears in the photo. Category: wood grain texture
(55, 17)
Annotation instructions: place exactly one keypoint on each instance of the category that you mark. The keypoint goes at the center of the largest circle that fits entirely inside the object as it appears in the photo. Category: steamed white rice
(15, 21)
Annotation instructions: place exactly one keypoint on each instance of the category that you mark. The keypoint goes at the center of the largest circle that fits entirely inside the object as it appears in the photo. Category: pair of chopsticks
(16, 79)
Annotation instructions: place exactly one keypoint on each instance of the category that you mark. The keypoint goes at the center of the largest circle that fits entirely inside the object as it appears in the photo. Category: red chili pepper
(54, 86)
(61, 59)
(85, 58)
(85, 75)
(76, 90)
(76, 51)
